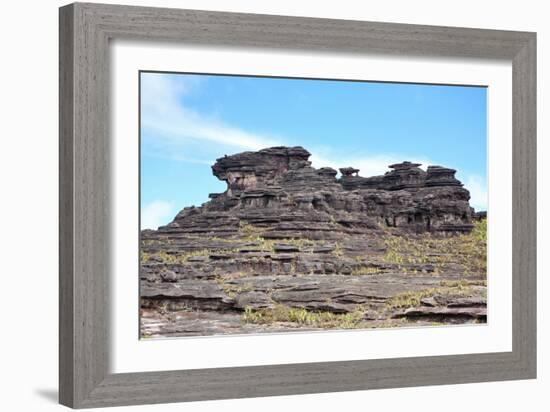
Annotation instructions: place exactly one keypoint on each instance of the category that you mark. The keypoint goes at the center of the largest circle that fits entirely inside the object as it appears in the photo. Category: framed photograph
(256, 205)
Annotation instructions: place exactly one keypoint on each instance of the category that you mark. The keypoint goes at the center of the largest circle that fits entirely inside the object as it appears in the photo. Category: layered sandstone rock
(278, 190)
(286, 233)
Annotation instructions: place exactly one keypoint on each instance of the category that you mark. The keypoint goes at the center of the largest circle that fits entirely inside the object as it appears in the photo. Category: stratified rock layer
(286, 233)
(278, 189)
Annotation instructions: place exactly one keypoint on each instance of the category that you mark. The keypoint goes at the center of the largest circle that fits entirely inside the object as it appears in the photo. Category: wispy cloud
(156, 214)
(178, 132)
(176, 156)
(174, 125)
(176, 128)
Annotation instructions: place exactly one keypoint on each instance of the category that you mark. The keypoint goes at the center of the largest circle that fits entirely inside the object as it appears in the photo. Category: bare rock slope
(288, 246)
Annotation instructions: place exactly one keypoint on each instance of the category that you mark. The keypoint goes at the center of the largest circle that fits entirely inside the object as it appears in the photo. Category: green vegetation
(247, 229)
(462, 283)
(176, 258)
(233, 290)
(253, 234)
(411, 299)
(365, 271)
(480, 230)
(468, 250)
(337, 250)
(269, 244)
(303, 317)
(317, 319)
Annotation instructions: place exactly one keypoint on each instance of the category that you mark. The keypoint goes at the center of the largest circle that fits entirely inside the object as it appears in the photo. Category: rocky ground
(290, 247)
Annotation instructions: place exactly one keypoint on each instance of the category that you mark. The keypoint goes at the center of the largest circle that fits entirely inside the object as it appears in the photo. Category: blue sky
(187, 121)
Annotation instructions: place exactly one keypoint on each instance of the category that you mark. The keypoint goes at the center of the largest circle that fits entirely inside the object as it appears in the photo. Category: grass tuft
(365, 271)
(304, 317)
(412, 299)
(467, 250)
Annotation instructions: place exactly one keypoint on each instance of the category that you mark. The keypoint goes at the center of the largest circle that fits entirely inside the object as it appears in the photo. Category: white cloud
(173, 124)
(183, 134)
(368, 165)
(478, 191)
(157, 213)
(178, 130)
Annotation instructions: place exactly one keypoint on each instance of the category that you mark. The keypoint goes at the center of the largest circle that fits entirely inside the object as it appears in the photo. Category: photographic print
(275, 205)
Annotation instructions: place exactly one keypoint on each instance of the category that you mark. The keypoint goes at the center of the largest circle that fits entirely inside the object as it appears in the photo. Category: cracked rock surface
(290, 247)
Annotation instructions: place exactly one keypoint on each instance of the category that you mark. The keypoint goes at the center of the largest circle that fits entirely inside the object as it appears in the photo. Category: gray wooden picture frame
(85, 32)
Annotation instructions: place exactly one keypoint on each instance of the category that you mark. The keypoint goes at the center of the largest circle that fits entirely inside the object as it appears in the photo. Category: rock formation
(286, 233)
(278, 189)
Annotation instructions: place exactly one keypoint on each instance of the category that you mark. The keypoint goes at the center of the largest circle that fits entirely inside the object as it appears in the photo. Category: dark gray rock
(480, 215)
(323, 249)
(431, 302)
(444, 313)
(253, 300)
(276, 189)
(185, 294)
(469, 302)
(285, 248)
(285, 233)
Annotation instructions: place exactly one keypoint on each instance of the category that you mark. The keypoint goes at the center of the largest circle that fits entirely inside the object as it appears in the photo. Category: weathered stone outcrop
(285, 234)
(278, 189)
